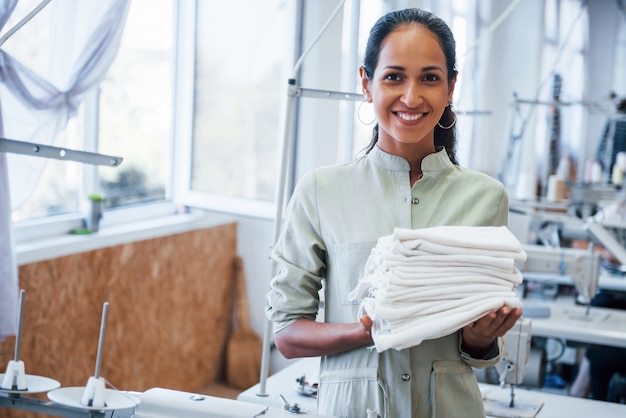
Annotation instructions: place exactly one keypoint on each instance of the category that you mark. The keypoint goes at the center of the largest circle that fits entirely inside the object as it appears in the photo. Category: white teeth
(406, 116)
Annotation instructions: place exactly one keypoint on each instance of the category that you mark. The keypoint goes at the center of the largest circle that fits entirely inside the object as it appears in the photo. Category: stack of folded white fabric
(427, 283)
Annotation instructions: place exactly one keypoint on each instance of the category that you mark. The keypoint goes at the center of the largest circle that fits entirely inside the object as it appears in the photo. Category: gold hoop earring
(451, 124)
(358, 114)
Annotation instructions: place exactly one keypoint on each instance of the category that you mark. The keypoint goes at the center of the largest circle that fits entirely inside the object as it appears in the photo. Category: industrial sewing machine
(154, 403)
(96, 401)
(552, 266)
(595, 214)
(520, 364)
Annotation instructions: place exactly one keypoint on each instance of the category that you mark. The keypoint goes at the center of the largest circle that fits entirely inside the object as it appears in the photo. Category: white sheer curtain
(35, 103)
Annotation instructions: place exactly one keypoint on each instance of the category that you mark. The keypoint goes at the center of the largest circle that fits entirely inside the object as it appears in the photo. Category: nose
(411, 96)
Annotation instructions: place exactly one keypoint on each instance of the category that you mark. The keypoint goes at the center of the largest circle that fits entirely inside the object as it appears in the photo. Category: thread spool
(526, 188)
(556, 189)
(596, 172)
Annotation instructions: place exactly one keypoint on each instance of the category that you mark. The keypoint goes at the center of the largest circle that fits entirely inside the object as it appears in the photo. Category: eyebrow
(432, 67)
(424, 69)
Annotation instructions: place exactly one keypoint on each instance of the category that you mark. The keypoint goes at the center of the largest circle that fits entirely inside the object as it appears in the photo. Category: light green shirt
(333, 220)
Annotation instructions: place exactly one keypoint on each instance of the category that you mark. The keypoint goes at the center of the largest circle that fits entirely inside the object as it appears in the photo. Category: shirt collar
(436, 161)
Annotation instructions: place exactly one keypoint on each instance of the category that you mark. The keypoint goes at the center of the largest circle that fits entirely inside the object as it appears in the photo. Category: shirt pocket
(346, 269)
(350, 392)
(454, 391)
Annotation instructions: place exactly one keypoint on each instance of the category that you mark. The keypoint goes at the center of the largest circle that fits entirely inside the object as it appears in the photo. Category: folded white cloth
(412, 332)
(409, 310)
(426, 283)
(494, 238)
(482, 261)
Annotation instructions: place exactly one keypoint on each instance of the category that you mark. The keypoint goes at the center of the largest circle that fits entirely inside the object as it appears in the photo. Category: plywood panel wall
(169, 317)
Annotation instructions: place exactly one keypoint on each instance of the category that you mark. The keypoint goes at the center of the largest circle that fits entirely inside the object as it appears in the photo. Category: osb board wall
(169, 314)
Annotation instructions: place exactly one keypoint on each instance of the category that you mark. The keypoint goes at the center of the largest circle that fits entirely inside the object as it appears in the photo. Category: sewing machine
(94, 400)
(511, 371)
(569, 266)
(153, 403)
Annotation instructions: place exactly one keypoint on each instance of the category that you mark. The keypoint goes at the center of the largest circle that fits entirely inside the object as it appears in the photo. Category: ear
(451, 85)
(365, 82)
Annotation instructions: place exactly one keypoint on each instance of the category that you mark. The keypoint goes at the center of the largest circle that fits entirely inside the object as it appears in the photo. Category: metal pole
(18, 336)
(47, 151)
(24, 21)
(103, 327)
(280, 199)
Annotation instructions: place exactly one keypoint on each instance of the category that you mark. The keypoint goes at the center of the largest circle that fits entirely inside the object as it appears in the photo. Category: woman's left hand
(479, 335)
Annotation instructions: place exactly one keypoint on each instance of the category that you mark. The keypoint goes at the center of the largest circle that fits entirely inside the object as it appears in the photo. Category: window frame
(183, 194)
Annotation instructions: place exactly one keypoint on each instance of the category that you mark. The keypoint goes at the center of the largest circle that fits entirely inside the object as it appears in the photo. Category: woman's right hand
(367, 323)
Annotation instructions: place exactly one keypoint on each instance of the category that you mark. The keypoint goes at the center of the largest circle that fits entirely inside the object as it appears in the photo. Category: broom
(244, 348)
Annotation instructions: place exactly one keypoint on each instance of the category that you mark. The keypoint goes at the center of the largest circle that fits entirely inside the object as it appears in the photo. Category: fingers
(366, 321)
(497, 323)
(367, 324)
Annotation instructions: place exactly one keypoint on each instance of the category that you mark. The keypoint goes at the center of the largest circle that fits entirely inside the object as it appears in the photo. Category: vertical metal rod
(105, 311)
(285, 163)
(298, 63)
(24, 21)
(18, 335)
(281, 198)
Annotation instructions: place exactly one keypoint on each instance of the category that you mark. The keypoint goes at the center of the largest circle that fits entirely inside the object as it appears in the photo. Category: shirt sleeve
(501, 217)
(490, 359)
(300, 255)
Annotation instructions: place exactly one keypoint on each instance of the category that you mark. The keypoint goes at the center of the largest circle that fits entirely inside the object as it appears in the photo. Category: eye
(393, 77)
(431, 77)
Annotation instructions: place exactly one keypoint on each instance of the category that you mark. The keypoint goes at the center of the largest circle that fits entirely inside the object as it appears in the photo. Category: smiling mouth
(409, 116)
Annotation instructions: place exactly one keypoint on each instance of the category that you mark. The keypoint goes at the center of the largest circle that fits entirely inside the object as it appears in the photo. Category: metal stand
(17, 384)
(294, 92)
(47, 151)
(94, 396)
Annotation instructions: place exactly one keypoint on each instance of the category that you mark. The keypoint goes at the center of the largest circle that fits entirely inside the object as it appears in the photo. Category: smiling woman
(338, 212)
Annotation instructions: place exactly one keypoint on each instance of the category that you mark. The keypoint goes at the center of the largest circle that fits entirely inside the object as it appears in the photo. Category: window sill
(43, 249)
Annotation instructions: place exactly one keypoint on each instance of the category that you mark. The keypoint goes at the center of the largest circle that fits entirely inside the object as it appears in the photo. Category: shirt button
(406, 377)
(415, 200)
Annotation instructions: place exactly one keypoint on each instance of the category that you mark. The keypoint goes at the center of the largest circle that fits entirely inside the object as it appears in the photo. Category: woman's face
(409, 88)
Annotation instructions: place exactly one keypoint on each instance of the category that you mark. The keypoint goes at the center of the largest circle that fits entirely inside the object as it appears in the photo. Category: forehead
(411, 45)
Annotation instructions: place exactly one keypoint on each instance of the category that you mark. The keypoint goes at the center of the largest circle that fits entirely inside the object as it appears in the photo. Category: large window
(130, 116)
(136, 107)
(242, 52)
(239, 54)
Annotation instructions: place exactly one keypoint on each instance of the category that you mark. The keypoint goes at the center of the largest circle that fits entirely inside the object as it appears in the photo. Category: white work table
(552, 405)
(610, 282)
(605, 281)
(602, 326)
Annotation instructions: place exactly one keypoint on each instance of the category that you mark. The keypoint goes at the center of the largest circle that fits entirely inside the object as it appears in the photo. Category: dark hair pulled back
(390, 22)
